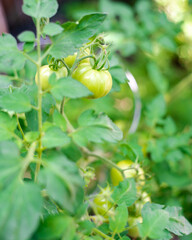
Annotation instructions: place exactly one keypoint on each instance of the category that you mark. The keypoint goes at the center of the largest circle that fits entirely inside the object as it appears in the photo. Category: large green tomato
(117, 177)
(45, 73)
(98, 82)
(133, 228)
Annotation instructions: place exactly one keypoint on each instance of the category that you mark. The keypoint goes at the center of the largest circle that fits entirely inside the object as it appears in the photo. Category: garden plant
(70, 177)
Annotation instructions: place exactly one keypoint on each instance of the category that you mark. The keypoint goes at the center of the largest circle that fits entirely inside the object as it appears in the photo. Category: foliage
(51, 168)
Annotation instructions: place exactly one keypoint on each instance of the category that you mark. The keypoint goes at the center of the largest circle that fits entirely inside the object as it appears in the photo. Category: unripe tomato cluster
(99, 82)
(132, 170)
(104, 205)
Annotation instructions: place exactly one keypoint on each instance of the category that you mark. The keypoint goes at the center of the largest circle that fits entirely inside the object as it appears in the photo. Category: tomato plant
(58, 146)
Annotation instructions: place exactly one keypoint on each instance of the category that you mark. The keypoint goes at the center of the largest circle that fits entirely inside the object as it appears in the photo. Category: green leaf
(157, 77)
(26, 36)
(10, 57)
(86, 227)
(69, 87)
(119, 221)
(128, 151)
(31, 136)
(52, 29)
(63, 183)
(125, 192)
(154, 222)
(28, 46)
(7, 126)
(95, 128)
(55, 227)
(155, 110)
(75, 35)
(20, 210)
(125, 238)
(55, 137)
(40, 9)
(4, 81)
(10, 163)
(169, 126)
(16, 101)
(177, 223)
(118, 74)
(49, 208)
(47, 103)
(59, 120)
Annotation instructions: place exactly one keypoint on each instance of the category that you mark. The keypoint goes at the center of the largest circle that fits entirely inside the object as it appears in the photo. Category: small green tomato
(45, 73)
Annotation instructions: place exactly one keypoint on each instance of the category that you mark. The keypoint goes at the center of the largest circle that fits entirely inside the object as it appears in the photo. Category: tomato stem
(30, 58)
(69, 125)
(20, 128)
(64, 63)
(97, 231)
(38, 165)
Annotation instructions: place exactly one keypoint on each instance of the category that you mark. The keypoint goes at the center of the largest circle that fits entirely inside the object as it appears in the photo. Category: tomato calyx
(55, 64)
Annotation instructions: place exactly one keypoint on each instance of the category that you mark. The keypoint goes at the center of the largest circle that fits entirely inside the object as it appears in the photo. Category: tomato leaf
(40, 9)
(55, 137)
(76, 34)
(7, 126)
(59, 120)
(52, 29)
(10, 163)
(117, 74)
(4, 81)
(54, 227)
(125, 192)
(118, 222)
(10, 57)
(177, 223)
(69, 87)
(26, 36)
(17, 101)
(20, 210)
(95, 128)
(62, 181)
(154, 222)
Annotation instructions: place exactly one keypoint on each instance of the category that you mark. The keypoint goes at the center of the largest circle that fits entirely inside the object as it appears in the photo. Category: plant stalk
(38, 165)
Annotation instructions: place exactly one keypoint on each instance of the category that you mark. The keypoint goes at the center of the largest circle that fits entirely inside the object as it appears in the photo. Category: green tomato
(117, 177)
(101, 202)
(45, 73)
(98, 82)
(136, 208)
(69, 60)
(133, 226)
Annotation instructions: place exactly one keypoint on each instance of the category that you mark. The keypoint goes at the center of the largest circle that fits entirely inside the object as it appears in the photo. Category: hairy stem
(20, 128)
(38, 165)
(97, 231)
